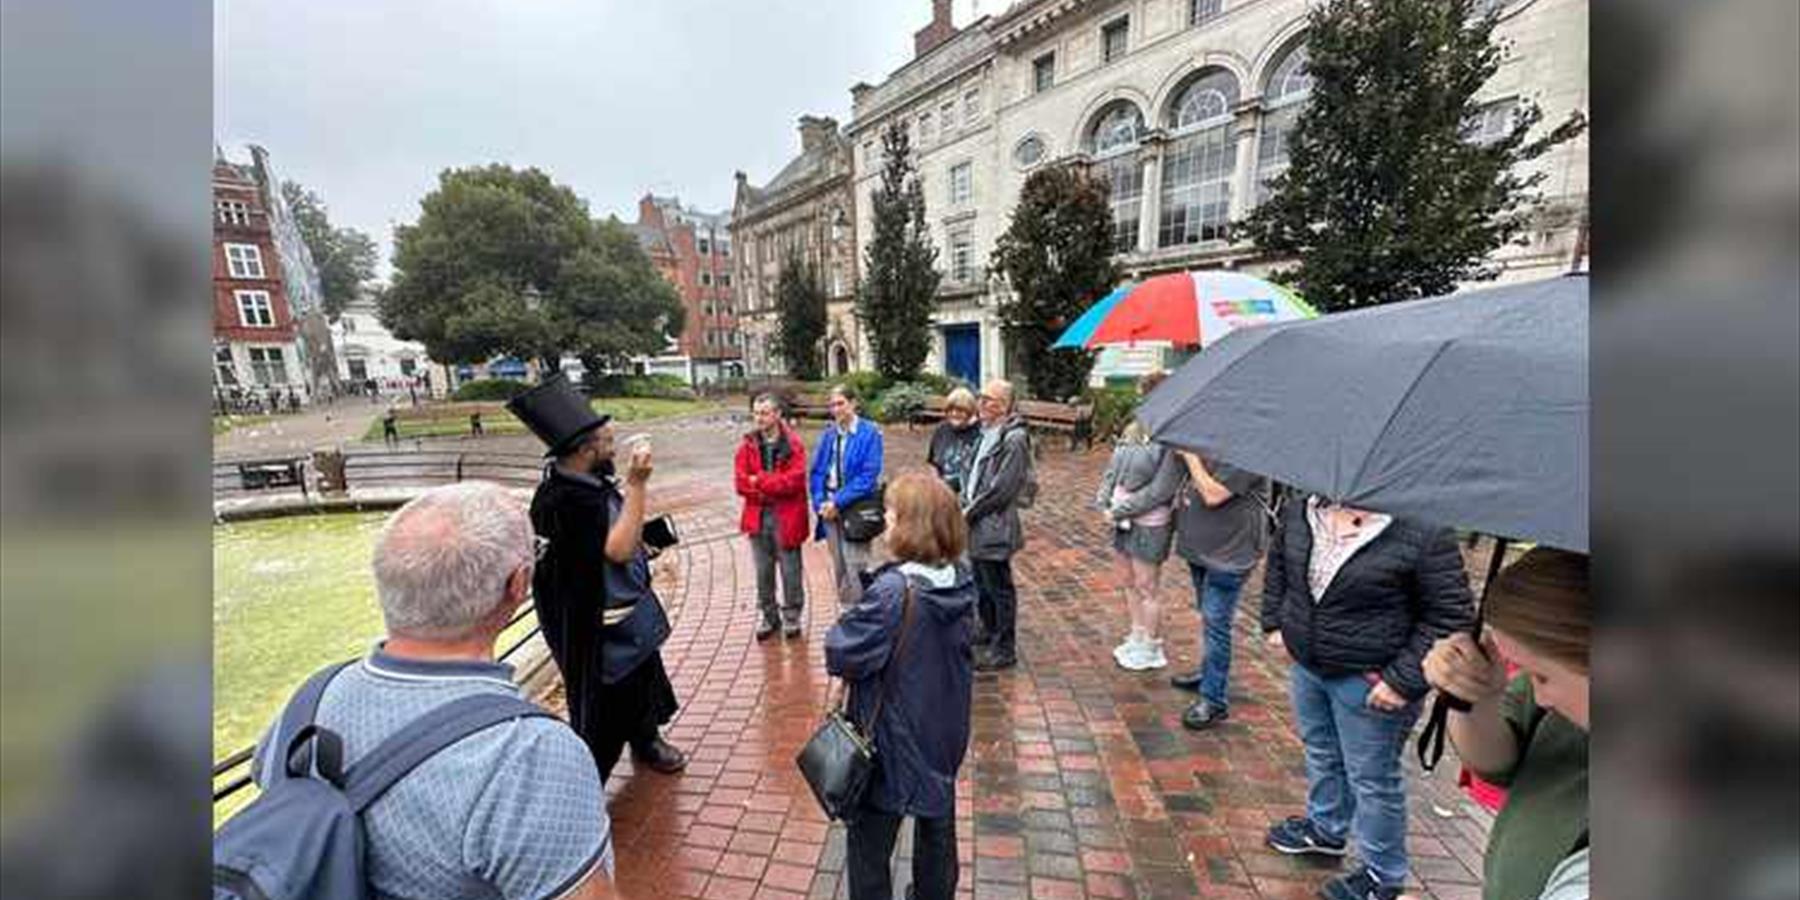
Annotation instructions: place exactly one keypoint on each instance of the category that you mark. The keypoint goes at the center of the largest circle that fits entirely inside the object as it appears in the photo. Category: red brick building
(255, 332)
(693, 251)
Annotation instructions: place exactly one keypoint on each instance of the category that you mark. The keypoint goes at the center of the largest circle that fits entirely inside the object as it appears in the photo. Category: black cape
(569, 583)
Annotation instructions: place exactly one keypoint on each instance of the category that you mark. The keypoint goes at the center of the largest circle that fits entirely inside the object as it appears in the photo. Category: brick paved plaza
(1080, 780)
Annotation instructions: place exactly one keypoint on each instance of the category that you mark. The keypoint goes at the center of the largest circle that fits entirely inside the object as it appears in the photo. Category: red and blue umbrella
(1183, 309)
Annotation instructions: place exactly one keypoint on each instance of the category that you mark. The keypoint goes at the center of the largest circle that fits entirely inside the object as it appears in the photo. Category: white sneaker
(1127, 650)
(1151, 656)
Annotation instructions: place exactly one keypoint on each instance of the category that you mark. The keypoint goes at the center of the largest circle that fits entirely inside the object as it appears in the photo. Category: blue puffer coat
(924, 728)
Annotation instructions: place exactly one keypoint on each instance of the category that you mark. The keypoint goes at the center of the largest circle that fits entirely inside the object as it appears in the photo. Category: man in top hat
(600, 617)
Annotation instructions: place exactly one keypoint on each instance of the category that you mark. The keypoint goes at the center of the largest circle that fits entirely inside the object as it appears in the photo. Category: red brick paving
(1080, 780)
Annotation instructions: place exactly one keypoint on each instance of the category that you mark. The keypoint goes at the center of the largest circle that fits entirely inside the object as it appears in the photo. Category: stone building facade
(807, 209)
(692, 250)
(1185, 105)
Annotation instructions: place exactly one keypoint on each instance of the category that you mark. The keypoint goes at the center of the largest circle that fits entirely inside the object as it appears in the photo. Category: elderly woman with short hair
(953, 444)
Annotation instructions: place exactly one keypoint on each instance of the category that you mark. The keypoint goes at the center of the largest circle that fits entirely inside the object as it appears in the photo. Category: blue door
(962, 352)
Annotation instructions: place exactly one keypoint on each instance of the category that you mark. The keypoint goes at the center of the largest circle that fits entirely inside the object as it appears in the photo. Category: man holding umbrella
(600, 617)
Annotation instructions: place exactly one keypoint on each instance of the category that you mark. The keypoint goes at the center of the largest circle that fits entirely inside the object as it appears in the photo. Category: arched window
(1283, 96)
(1199, 164)
(1113, 139)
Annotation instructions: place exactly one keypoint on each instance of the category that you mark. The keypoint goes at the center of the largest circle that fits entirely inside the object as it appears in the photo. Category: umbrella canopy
(1469, 411)
(1183, 309)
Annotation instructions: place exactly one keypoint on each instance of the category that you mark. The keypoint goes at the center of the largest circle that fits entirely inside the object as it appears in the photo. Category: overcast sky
(366, 101)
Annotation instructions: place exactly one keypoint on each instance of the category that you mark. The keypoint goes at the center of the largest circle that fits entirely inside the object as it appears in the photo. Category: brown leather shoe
(660, 756)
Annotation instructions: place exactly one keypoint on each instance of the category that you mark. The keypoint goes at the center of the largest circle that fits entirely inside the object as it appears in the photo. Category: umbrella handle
(1431, 740)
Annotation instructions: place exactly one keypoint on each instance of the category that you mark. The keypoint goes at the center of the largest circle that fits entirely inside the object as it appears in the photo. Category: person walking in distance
(999, 477)
(1221, 527)
(846, 469)
(771, 479)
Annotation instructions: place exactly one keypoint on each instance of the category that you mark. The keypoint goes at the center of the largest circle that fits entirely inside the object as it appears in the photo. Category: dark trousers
(628, 713)
(997, 605)
(870, 848)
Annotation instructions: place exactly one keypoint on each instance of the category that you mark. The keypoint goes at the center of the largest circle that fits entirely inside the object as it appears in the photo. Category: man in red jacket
(771, 477)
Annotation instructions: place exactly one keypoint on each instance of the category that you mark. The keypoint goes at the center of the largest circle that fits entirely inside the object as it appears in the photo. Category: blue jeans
(1216, 597)
(1353, 777)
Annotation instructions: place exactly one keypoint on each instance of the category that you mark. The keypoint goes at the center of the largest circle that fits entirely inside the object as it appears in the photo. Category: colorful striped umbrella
(1183, 309)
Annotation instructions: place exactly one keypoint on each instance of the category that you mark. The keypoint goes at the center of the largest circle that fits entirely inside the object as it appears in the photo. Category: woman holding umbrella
(1356, 598)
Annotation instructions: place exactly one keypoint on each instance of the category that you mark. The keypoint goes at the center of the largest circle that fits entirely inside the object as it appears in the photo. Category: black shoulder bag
(839, 758)
(866, 519)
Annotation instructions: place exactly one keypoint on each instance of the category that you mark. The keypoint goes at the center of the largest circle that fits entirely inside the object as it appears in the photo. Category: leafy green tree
(345, 257)
(1387, 197)
(800, 311)
(1056, 259)
(900, 276)
(503, 261)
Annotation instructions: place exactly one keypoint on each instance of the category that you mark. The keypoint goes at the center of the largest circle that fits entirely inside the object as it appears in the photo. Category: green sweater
(1546, 815)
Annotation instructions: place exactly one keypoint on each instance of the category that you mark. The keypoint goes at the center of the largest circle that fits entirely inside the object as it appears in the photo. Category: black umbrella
(1469, 411)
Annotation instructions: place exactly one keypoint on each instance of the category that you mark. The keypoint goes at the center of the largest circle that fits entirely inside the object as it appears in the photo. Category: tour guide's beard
(603, 470)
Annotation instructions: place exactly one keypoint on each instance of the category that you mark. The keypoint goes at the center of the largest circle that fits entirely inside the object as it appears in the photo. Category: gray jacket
(1151, 473)
(993, 513)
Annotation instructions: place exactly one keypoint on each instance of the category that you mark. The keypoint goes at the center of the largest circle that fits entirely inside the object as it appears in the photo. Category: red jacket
(785, 487)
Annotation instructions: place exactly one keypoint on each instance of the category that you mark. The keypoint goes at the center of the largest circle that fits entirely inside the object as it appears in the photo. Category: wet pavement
(1080, 781)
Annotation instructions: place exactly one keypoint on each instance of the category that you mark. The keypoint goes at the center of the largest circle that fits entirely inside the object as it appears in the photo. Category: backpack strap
(297, 717)
(425, 736)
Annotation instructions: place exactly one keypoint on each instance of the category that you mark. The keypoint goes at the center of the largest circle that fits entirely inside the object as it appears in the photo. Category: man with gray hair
(512, 810)
(999, 480)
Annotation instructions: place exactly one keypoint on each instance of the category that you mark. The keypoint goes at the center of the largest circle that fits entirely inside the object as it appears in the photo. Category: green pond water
(289, 595)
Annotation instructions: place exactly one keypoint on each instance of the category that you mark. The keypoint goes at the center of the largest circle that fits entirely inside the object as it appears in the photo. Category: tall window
(244, 260)
(1201, 10)
(1199, 163)
(927, 131)
(267, 366)
(1113, 139)
(706, 279)
(962, 253)
(971, 106)
(1113, 39)
(254, 309)
(1043, 73)
(705, 247)
(233, 212)
(224, 365)
(962, 186)
(1283, 97)
(947, 116)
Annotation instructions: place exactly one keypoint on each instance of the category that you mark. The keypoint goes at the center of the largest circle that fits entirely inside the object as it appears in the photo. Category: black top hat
(556, 413)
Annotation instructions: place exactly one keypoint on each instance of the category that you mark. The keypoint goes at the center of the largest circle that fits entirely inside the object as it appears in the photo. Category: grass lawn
(496, 420)
(289, 596)
(222, 424)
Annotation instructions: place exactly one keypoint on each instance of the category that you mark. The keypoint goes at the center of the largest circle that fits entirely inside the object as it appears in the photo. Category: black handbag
(839, 759)
(866, 519)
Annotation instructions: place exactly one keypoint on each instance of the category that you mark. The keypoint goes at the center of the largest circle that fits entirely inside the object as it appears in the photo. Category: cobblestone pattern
(1081, 781)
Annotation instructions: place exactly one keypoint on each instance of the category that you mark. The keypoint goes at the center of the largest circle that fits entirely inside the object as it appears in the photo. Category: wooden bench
(1074, 420)
(809, 406)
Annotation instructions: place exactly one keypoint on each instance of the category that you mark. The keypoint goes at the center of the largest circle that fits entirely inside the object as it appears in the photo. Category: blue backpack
(303, 837)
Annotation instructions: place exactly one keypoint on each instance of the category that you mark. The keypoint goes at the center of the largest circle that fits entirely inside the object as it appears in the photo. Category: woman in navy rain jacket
(927, 675)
